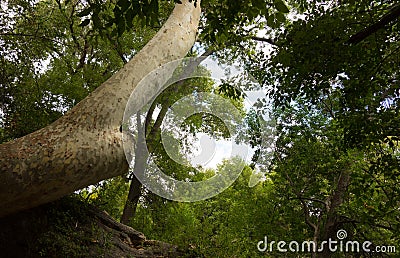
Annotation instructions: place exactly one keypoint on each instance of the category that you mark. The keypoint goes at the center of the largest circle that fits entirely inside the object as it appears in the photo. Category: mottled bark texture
(85, 145)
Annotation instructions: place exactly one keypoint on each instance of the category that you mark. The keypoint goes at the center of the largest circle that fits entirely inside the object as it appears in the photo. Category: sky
(208, 151)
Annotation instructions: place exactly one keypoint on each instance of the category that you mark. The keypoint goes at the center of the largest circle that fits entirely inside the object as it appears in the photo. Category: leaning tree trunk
(149, 137)
(135, 188)
(85, 146)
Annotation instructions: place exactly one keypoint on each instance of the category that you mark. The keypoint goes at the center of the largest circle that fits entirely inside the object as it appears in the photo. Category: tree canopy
(328, 73)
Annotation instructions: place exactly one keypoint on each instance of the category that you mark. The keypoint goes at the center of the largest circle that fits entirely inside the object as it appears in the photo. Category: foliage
(224, 23)
(356, 83)
(61, 239)
(227, 225)
(338, 106)
(62, 63)
(337, 159)
(109, 195)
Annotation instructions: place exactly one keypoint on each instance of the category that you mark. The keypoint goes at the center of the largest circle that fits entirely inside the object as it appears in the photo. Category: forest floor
(72, 228)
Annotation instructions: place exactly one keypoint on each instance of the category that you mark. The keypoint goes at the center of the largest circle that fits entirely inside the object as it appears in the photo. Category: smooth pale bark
(85, 145)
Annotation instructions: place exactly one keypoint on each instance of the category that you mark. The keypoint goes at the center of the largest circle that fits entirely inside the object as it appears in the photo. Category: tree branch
(270, 41)
(308, 199)
(307, 215)
(85, 146)
(393, 14)
(32, 36)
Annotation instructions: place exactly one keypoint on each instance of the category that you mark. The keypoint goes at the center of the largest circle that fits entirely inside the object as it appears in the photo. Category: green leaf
(85, 23)
(124, 4)
(85, 12)
(271, 21)
(155, 10)
(96, 21)
(260, 4)
(280, 17)
(121, 26)
(130, 15)
(280, 6)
